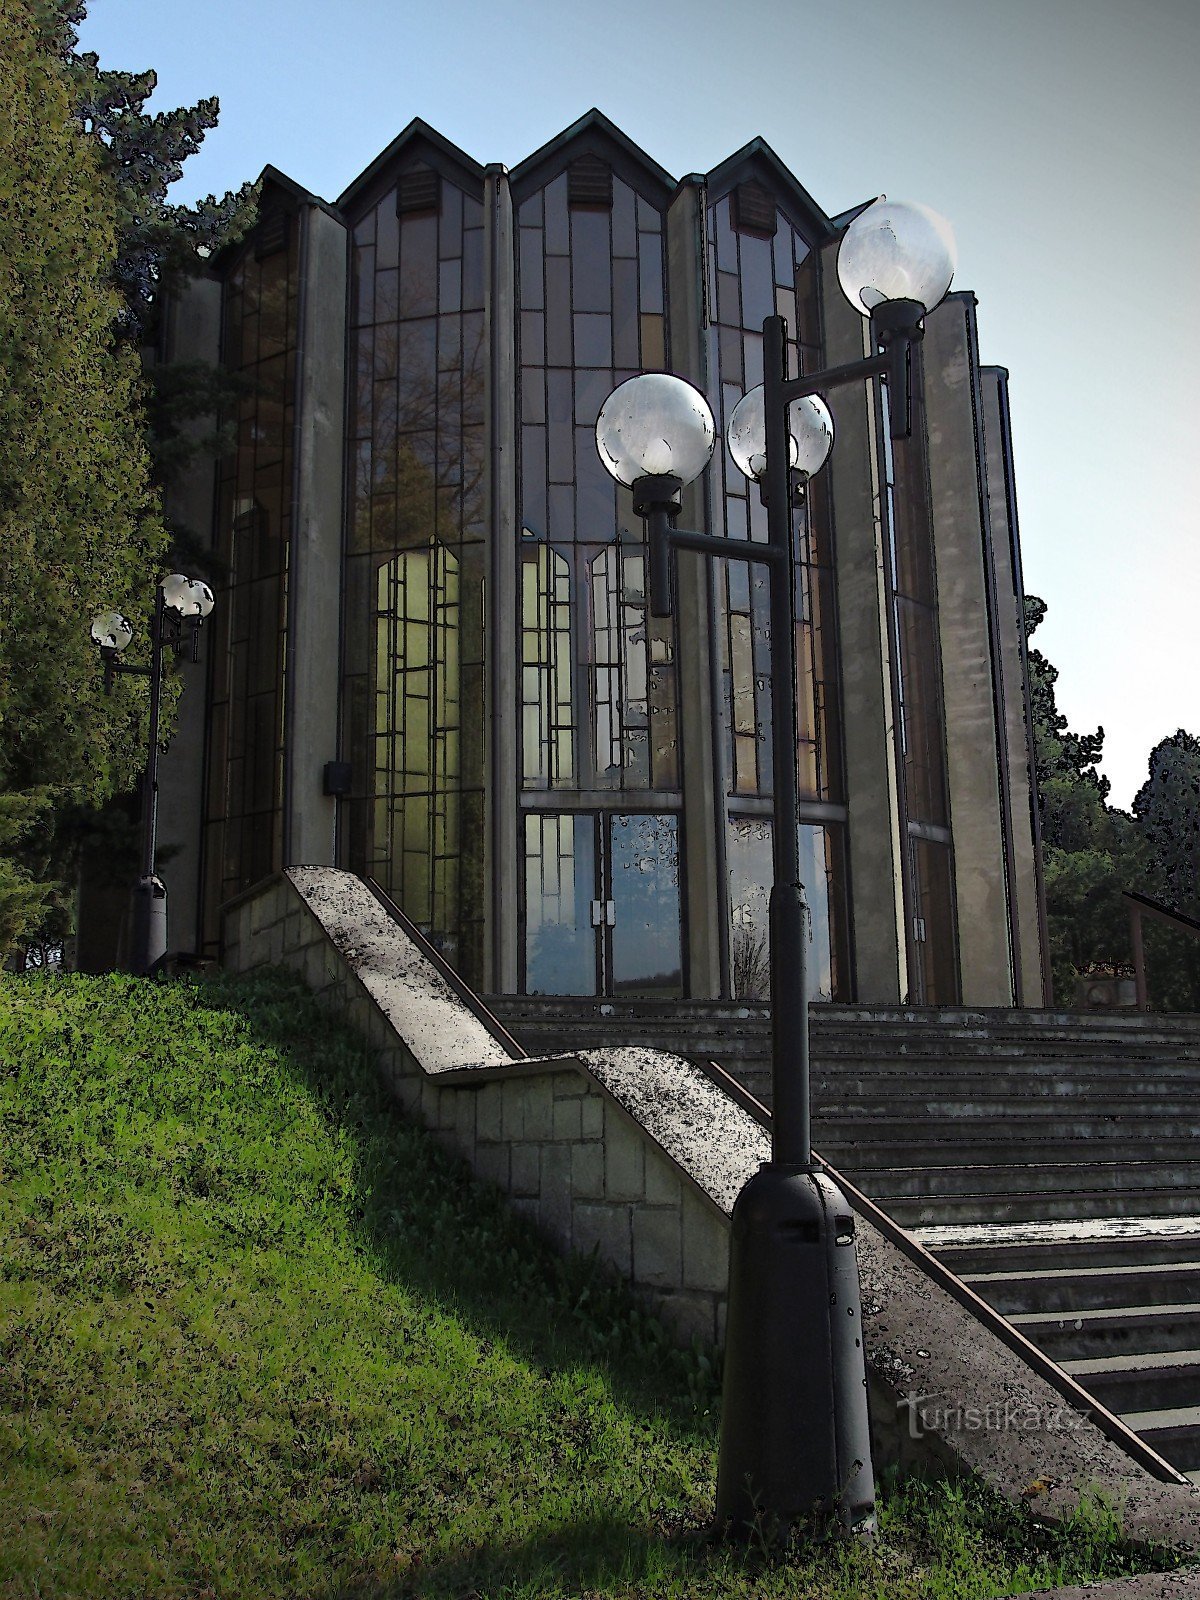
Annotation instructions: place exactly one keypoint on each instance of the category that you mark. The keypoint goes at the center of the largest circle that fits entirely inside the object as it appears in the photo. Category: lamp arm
(663, 537)
(894, 364)
(837, 377)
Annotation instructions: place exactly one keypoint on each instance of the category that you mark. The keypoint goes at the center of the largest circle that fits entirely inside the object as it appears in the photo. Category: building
(432, 662)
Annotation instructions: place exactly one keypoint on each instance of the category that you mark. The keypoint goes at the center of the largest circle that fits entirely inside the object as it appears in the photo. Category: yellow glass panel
(742, 665)
(654, 348)
(746, 764)
(414, 646)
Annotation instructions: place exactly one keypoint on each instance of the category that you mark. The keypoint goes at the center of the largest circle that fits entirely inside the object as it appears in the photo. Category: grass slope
(261, 1337)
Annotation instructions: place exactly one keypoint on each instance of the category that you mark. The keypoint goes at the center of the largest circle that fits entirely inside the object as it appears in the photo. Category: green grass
(260, 1337)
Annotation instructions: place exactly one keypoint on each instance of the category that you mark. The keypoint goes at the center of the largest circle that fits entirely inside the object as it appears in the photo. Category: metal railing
(1139, 906)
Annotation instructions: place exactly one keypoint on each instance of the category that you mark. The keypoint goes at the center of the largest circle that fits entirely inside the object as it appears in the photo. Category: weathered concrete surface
(314, 586)
(974, 1403)
(968, 689)
(635, 1153)
(1150, 1586)
(868, 726)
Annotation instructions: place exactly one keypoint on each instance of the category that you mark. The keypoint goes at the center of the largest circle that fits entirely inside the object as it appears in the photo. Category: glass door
(644, 954)
(602, 904)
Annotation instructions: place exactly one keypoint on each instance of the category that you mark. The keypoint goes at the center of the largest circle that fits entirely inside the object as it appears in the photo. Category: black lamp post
(178, 601)
(795, 1432)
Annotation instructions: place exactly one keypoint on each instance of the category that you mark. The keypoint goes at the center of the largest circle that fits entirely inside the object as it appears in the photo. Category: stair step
(1099, 1251)
(1147, 1383)
(929, 1210)
(1037, 1178)
(1113, 1330)
(1174, 1431)
(849, 1152)
(1072, 1289)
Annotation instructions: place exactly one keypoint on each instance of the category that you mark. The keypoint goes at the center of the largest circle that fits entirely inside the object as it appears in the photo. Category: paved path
(1150, 1586)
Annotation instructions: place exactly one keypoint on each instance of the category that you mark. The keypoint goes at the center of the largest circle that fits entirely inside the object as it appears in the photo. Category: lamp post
(187, 600)
(795, 1432)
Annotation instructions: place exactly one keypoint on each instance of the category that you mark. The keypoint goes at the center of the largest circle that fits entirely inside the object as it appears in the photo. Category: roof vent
(419, 189)
(754, 210)
(590, 184)
(271, 234)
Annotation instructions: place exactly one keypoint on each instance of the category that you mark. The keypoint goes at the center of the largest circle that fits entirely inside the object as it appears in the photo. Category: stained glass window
(244, 809)
(414, 674)
(592, 298)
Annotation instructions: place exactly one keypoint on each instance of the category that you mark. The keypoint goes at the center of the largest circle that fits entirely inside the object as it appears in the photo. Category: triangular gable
(276, 192)
(757, 162)
(594, 135)
(418, 145)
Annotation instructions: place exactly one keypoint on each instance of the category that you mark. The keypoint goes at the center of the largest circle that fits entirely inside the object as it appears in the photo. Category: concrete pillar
(872, 793)
(503, 864)
(1025, 897)
(705, 893)
(315, 557)
(971, 692)
(192, 332)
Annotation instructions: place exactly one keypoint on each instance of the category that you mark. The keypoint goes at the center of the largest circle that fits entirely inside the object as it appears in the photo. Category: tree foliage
(1093, 852)
(1167, 811)
(144, 154)
(80, 525)
(87, 241)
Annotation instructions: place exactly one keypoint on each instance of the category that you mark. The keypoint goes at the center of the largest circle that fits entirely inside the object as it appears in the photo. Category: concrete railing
(639, 1155)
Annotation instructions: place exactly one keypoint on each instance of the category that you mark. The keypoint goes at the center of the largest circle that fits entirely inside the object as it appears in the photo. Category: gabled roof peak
(421, 139)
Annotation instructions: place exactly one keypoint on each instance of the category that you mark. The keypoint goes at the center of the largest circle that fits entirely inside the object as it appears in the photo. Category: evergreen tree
(1087, 847)
(144, 154)
(80, 526)
(1167, 811)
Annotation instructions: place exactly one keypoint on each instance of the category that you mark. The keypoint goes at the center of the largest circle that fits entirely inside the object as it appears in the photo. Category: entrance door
(602, 904)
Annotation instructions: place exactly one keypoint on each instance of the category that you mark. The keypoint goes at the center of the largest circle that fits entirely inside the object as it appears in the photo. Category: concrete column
(971, 693)
(872, 791)
(503, 865)
(315, 558)
(1025, 896)
(705, 891)
(192, 333)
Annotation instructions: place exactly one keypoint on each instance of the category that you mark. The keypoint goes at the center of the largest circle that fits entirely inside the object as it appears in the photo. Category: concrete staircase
(1050, 1159)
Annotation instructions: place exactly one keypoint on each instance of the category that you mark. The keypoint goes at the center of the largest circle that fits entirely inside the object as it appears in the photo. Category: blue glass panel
(593, 340)
(450, 286)
(646, 944)
(758, 287)
(626, 352)
(558, 225)
(650, 271)
(532, 294)
(591, 260)
(624, 219)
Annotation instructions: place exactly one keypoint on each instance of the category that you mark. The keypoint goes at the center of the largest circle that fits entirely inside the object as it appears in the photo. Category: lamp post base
(148, 919)
(795, 1433)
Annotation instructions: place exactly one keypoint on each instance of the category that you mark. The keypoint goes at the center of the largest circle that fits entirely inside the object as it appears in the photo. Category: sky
(1059, 137)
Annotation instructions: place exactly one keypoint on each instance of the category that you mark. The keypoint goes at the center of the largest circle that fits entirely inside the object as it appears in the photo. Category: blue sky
(1060, 137)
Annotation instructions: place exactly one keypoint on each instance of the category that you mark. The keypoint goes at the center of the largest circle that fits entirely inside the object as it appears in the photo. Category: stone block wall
(569, 1155)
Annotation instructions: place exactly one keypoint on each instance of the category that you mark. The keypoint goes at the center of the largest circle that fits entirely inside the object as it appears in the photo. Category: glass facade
(753, 273)
(598, 712)
(416, 557)
(475, 373)
(244, 801)
(920, 724)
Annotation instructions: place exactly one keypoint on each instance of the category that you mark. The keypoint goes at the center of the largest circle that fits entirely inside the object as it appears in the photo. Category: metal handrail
(1139, 906)
(1072, 1391)
(1108, 1423)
